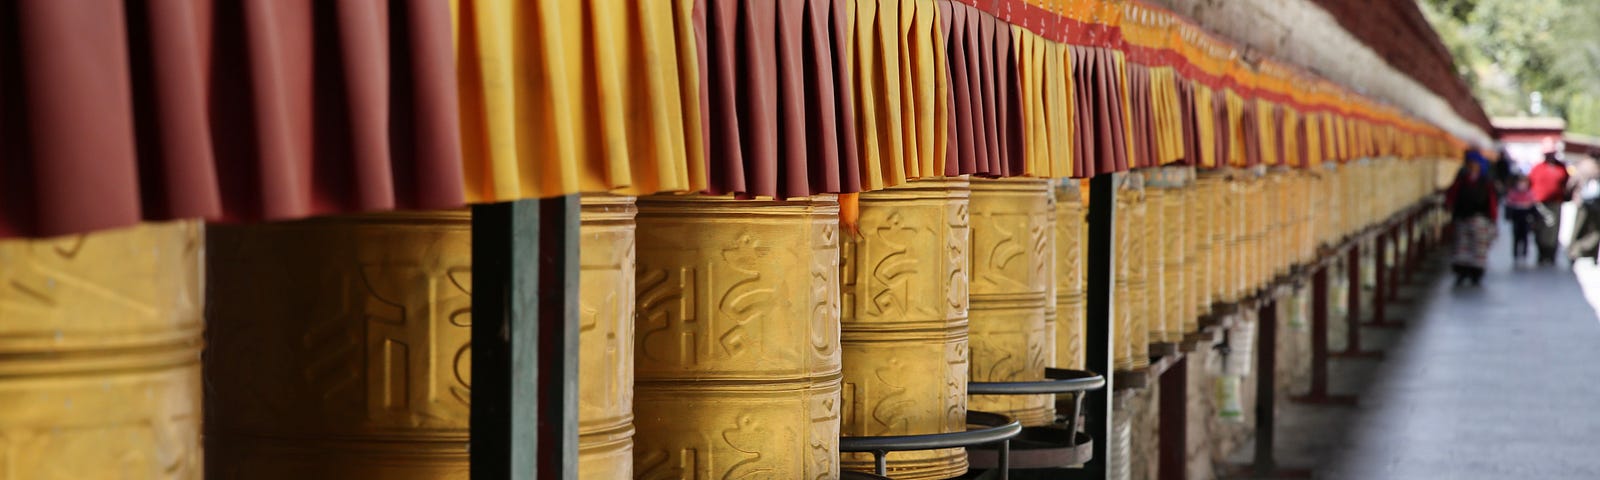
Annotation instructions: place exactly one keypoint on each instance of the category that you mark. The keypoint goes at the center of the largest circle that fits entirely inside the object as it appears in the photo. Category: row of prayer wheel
(719, 337)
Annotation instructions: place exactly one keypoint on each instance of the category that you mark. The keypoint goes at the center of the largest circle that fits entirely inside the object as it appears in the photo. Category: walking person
(1548, 183)
(1471, 200)
(1585, 246)
(1520, 212)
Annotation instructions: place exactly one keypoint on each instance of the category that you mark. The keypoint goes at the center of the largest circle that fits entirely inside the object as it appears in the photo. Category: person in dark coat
(1471, 200)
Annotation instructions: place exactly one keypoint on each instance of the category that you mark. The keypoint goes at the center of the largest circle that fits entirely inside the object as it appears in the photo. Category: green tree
(1509, 49)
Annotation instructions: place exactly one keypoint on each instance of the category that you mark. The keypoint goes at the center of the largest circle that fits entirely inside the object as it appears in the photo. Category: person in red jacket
(1471, 200)
(1548, 183)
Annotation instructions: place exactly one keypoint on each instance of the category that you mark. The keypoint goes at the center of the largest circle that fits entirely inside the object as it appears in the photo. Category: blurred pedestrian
(1471, 200)
(1548, 183)
(1521, 214)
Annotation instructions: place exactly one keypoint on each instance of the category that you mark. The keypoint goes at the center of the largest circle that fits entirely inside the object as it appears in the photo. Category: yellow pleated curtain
(560, 97)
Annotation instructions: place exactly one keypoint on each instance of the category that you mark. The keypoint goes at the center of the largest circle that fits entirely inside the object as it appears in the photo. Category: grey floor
(1496, 382)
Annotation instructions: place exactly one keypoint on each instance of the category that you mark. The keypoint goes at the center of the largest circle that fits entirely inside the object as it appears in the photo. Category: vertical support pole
(1353, 307)
(525, 339)
(1099, 303)
(1319, 333)
(1174, 411)
(1266, 394)
(1319, 344)
(1380, 275)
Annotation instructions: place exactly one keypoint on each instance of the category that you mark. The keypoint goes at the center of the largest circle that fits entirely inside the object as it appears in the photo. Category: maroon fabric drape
(986, 118)
(116, 111)
(1191, 145)
(1086, 133)
(1104, 107)
(1250, 133)
(780, 103)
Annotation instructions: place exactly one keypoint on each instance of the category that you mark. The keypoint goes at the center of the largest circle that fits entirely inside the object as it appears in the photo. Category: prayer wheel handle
(997, 428)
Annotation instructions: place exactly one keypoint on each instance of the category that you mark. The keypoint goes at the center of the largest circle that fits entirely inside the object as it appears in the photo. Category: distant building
(1526, 139)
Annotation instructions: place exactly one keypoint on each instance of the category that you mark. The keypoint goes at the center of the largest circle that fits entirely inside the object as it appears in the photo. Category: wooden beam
(1099, 302)
(524, 339)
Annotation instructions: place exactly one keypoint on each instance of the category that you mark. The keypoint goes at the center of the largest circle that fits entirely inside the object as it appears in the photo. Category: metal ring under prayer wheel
(904, 324)
(737, 354)
(100, 356)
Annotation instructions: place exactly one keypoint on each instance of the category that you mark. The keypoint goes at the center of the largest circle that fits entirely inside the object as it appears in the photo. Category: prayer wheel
(904, 323)
(1012, 269)
(737, 355)
(339, 347)
(1137, 304)
(1202, 267)
(366, 322)
(102, 354)
(605, 337)
(1171, 245)
(1122, 328)
(1071, 309)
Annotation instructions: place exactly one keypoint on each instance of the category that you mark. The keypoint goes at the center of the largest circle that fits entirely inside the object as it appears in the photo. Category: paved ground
(1496, 382)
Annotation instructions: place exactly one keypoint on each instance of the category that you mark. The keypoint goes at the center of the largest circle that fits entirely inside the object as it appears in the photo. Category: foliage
(1509, 49)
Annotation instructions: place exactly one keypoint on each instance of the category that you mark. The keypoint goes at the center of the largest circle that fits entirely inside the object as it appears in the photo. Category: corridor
(1484, 383)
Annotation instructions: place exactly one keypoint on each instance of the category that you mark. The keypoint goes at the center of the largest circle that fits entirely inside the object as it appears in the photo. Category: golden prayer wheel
(339, 347)
(737, 358)
(1171, 244)
(1122, 318)
(904, 323)
(1012, 271)
(1203, 277)
(1071, 308)
(366, 320)
(605, 337)
(102, 354)
(1136, 306)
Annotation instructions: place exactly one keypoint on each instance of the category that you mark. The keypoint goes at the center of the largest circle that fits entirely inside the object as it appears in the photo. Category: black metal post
(1319, 344)
(1174, 412)
(1353, 307)
(1099, 303)
(524, 340)
(1266, 394)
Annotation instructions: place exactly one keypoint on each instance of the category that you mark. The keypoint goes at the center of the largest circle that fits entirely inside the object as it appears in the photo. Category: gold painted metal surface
(1012, 273)
(101, 336)
(339, 347)
(1122, 330)
(1071, 310)
(904, 323)
(605, 337)
(737, 353)
(1137, 303)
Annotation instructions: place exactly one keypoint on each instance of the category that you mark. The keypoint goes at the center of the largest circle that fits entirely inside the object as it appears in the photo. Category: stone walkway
(1496, 382)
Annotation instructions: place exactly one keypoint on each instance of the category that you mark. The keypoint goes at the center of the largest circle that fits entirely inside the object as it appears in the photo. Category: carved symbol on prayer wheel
(904, 323)
(101, 336)
(1012, 271)
(339, 347)
(737, 353)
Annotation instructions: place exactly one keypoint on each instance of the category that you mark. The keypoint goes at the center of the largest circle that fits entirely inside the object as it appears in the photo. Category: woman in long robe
(1471, 200)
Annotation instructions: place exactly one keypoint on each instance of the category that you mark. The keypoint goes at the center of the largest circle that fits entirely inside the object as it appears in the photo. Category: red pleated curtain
(116, 111)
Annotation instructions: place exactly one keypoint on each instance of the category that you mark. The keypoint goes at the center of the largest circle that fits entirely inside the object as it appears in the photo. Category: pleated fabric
(117, 111)
(985, 132)
(563, 97)
(1046, 101)
(902, 90)
(1103, 107)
